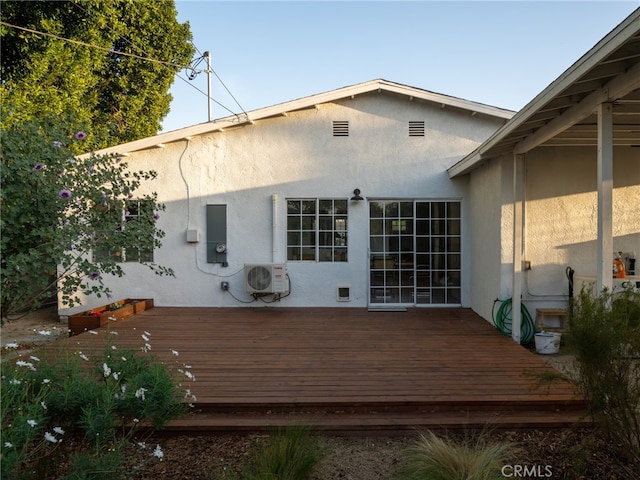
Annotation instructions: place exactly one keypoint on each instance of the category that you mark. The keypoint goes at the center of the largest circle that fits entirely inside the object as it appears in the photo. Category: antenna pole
(208, 57)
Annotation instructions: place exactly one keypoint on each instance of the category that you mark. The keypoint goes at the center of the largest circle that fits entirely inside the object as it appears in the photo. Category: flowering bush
(104, 395)
(64, 217)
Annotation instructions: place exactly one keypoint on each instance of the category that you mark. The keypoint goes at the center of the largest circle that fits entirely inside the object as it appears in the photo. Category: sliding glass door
(415, 252)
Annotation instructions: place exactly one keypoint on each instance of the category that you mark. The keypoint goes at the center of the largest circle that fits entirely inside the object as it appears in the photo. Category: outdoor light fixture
(356, 195)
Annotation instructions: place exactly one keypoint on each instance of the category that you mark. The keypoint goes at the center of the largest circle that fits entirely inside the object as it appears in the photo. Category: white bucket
(547, 343)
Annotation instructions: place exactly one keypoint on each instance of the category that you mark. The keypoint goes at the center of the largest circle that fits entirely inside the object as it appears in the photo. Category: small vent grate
(416, 129)
(341, 128)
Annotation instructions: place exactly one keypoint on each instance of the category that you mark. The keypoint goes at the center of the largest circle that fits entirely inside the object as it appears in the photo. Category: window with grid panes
(317, 230)
(133, 211)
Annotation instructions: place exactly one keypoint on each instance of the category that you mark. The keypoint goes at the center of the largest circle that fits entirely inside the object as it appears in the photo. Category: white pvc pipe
(274, 232)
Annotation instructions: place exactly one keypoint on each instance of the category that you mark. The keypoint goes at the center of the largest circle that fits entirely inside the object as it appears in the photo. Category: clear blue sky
(500, 53)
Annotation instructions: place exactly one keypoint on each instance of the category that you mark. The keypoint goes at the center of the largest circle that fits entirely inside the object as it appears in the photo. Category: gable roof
(282, 109)
(564, 113)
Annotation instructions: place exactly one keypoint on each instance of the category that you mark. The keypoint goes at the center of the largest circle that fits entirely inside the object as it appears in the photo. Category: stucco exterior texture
(560, 223)
(254, 168)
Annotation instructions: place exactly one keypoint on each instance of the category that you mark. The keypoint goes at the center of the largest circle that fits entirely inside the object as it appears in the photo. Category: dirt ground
(577, 454)
(31, 330)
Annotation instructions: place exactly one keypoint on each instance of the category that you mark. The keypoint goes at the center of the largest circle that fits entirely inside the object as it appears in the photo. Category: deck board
(305, 359)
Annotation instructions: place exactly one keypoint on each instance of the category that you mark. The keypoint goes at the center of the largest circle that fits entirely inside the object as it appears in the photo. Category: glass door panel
(415, 252)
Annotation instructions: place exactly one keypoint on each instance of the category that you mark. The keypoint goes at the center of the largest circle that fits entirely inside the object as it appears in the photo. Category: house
(383, 195)
(348, 188)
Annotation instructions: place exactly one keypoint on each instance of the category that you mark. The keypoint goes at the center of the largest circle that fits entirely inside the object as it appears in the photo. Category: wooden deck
(345, 370)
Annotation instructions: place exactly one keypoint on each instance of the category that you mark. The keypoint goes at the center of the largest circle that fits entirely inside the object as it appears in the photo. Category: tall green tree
(77, 72)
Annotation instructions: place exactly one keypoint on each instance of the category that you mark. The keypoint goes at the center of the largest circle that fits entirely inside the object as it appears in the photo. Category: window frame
(136, 255)
(317, 230)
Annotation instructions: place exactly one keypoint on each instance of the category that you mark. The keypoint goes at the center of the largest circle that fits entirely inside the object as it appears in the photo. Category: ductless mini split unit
(266, 278)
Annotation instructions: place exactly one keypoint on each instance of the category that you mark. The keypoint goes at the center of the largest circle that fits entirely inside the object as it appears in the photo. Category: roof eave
(282, 109)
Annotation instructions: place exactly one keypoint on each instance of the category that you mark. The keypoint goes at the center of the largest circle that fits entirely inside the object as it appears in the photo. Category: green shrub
(604, 336)
(435, 458)
(104, 395)
(290, 454)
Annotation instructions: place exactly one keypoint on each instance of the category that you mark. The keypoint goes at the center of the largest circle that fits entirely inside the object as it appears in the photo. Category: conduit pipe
(274, 226)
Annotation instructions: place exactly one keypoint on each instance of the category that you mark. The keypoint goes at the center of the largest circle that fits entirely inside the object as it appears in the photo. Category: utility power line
(104, 49)
(192, 76)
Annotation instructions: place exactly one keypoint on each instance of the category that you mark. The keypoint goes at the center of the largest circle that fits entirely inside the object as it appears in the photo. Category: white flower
(158, 453)
(84, 357)
(189, 375)
(43, 405)
(174, 352)
(11, 345)
(32, 423)
(124, 359)
(22, 363)
(140, 393)
(112, 318)
(50, 438)
(58, 430)
(106, 370)
(44, 332)
(141, 444)
(116, 376)
(113, 347)
(145, 338)
(46, 380)
(112, 332)
(93, 332)
(14, 381)
(35, 359)
(147, 346)
(8, 444)
(147, 333)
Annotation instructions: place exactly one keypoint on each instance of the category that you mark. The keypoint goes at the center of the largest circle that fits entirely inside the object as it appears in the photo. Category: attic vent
(341, 128)
(416, 129)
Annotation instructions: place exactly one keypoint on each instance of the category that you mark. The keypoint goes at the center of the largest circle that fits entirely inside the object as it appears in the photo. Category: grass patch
(436, 458)
(291, 453)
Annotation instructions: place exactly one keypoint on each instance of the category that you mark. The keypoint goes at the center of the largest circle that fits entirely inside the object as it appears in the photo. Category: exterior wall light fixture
(356, 195)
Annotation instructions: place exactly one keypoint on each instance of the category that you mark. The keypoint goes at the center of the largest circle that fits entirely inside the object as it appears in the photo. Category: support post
(518, 233)
(604, 277)
(208, 57)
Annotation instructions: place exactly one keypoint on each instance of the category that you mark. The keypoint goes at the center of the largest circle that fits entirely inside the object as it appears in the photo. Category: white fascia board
(282, 109)
(448, 100)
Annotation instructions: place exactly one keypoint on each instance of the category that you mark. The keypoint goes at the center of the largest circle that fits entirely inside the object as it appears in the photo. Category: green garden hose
(503, 321)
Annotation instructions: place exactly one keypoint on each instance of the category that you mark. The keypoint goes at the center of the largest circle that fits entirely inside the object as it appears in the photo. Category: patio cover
(596, 102)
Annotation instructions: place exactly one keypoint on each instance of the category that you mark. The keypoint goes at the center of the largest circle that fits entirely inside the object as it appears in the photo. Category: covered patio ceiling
(565, 113)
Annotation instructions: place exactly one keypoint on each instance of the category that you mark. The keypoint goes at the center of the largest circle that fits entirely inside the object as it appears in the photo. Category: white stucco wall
(561, 215)
(297, 157)
(486, 210)
(560, 223)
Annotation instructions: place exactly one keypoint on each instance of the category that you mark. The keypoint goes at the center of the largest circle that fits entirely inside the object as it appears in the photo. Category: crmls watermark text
(527, 471)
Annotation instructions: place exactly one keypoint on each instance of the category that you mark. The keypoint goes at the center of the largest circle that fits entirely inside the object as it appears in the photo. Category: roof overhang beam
(616, 88)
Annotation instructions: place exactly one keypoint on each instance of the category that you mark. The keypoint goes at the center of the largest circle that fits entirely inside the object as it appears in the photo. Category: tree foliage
(67, 221)
(118, 98)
